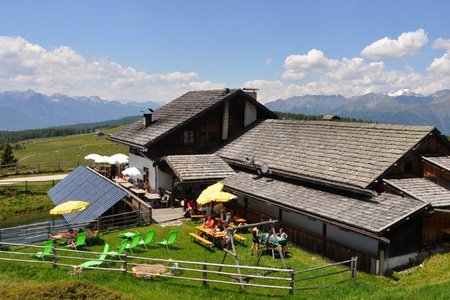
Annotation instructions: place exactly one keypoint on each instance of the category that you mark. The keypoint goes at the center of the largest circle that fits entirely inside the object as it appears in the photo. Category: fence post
(125, 264)
(205, 274)
(291, 290)
(98, 223)
(17, 168)
(26, 185)
(354, 265)
(55, 259)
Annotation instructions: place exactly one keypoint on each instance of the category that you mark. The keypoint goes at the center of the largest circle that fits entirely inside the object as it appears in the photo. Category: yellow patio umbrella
(214, 193)
(69, 207)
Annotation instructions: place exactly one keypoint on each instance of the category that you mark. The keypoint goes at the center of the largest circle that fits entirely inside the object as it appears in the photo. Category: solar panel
(85, 185)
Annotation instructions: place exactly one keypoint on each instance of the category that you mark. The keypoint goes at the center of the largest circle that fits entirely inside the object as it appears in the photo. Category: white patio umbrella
(92, 156)
(118, 158)
(132, 172)
(102, 159)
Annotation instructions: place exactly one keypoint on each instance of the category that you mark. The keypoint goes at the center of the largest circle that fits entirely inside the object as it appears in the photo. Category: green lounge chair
(46, 251)
(134, 242)
(80, 241)
(120, 250)
(148, 238)
(96, 263)
(171, 239)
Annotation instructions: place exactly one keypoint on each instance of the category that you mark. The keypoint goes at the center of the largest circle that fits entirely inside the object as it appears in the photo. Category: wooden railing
(208, 273)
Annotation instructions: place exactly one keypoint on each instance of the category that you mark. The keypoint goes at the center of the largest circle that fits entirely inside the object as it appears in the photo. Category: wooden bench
(239, 238)
(198, 238)
(194, 217)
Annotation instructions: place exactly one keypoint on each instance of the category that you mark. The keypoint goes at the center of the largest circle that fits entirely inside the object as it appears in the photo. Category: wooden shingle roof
(422, 189)
(201, 167)
(370, 214)
(173, 115)
(347, 154)
(440, 161)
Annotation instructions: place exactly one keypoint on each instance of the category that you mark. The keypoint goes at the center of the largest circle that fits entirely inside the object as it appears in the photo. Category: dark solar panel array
(85, 185)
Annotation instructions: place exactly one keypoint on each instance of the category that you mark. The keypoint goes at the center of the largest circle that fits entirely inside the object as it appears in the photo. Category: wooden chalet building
(380, 192)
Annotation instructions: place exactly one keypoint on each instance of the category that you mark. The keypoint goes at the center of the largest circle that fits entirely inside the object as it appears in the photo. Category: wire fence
(194, 271)
(37, 187)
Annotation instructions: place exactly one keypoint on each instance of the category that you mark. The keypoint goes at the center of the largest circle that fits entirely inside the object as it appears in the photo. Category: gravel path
(32, 179)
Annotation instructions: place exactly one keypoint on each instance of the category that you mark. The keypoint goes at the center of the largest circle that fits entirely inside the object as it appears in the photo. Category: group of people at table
(220, 218)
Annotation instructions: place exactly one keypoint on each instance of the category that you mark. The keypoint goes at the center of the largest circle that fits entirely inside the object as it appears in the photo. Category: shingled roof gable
(175, 114)
(200, 167)
(373, 214)
(422, 189)
(347, 154)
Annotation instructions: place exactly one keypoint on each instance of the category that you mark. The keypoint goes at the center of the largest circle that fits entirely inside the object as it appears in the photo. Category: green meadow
(37, 281)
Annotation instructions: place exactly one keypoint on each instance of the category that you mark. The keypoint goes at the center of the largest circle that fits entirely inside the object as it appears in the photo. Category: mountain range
(399, 107)
(31, 110)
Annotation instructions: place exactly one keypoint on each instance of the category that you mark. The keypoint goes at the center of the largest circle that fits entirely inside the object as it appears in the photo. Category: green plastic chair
(46, 251)
(120, 250)
(148, 238)
(134, 242)
(80, 241)
(171, 239)
(96, 263)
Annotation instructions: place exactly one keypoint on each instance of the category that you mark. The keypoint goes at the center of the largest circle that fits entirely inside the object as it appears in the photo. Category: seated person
(202, 209)
(138, 184)
(217, 209)
(282, 234)
(208, 211)
(210, 223)
(63, 235)
(191, 207)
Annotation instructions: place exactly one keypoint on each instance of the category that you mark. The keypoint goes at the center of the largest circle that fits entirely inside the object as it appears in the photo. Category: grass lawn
(68, 151)
(20, 280)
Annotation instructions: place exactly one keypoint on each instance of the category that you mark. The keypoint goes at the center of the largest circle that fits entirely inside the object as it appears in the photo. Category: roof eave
(359, 230)
(127, 143)
(304, 178)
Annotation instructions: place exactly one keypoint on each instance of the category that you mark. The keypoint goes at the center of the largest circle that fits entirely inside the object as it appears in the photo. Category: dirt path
(32, 179)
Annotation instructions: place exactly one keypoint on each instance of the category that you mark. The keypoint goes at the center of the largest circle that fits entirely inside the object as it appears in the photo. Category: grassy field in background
(17, 280)
(68, 149)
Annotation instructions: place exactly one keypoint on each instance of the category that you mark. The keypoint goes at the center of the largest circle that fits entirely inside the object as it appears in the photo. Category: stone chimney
(251, 92)
(146, 119)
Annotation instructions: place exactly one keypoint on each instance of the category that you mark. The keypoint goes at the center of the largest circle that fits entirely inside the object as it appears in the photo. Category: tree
(7, 157)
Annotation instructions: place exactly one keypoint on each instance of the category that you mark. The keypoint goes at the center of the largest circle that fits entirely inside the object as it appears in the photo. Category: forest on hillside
(13, 137)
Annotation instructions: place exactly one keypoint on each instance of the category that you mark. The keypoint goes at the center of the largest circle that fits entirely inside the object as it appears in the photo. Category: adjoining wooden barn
(340, 189)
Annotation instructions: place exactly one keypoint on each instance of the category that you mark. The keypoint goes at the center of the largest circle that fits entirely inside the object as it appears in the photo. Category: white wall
(303, 222)
(249, 113)
(352, 240)
(267, 209)
(396, 261)
(141, 162)
(164, 180)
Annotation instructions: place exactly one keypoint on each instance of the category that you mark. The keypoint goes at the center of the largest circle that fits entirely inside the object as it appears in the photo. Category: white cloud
(269, 61)
(441, 65)
(62, 70)
(441, 43)
(350, 77)
(408, 43)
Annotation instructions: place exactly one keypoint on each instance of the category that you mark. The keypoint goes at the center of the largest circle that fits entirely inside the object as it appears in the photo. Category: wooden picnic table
(138, 191)
(126, 185)
(214, 235)
(120, 180)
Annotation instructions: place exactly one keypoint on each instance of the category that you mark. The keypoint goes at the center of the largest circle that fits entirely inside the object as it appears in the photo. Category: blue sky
(156, 50)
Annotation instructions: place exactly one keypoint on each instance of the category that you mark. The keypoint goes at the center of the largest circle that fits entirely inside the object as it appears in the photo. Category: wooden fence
(27, 186)
(207, 273)
(39, 167)
(40, 231)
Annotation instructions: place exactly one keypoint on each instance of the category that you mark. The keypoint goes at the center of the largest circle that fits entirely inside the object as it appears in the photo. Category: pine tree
(7, 157)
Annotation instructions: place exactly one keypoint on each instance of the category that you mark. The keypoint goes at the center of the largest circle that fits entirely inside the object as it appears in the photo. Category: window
(188, 137)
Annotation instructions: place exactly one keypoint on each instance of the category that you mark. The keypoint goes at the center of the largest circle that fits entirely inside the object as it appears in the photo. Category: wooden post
(17, 167)
(291, 290)
(125, 264)
(55, 259)
(26, 185)
(205, 274)
(353, 266)
(38, 167)
(98, 223)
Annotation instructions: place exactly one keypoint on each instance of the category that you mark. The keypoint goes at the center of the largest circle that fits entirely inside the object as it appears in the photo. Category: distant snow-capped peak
(403, 92)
